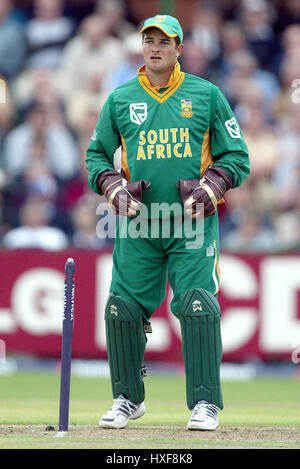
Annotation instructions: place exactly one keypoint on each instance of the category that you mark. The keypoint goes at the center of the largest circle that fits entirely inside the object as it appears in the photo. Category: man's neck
(159, 79)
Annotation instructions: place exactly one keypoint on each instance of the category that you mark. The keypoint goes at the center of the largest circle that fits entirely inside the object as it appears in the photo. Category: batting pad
(126, 344)
(199, 315)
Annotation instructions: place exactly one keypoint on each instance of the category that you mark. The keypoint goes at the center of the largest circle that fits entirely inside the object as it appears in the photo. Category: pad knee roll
(199, 315)
(126, 344)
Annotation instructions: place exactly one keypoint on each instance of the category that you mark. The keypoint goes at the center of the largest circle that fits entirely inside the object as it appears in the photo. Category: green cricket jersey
(167, 134)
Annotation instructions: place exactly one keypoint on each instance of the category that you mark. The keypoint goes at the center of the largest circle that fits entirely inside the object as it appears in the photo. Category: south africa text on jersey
(164, 143)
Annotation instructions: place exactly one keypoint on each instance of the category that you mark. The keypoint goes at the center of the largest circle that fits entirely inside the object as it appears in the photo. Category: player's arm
(104, 142)
(231, 162)
(228, 147)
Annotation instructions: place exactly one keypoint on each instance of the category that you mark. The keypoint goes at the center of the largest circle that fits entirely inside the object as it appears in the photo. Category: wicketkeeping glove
(124, 197)
(208, 191)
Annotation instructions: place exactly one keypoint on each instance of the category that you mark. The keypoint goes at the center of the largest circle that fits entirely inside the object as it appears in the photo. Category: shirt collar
(175, 75)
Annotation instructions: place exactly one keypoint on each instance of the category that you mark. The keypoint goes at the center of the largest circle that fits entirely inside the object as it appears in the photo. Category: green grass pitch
(258, 413)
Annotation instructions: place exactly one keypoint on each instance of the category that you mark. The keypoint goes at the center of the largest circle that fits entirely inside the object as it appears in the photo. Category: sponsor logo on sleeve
(233, 128)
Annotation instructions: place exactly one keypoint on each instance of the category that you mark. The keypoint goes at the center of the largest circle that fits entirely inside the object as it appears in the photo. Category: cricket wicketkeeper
(181, 144)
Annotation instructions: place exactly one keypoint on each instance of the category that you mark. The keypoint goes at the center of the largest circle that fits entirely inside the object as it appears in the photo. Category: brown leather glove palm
(208, 191)
(123, 199)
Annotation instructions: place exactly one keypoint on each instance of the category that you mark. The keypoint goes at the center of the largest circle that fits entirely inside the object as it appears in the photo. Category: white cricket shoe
(204, 417)
(121, 412)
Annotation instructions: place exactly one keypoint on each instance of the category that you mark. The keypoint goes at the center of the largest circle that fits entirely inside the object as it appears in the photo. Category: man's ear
(179, 50)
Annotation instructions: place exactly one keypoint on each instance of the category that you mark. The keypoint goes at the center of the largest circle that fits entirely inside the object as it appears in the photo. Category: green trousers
(142, 265)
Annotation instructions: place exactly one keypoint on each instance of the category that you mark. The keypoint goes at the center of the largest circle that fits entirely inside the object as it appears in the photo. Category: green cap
(166, 23)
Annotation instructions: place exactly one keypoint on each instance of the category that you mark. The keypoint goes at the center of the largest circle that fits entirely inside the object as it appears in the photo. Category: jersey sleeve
(104, 142)
(228, 147)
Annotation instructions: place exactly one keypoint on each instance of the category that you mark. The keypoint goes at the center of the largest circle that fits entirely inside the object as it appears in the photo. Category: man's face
(160, 51)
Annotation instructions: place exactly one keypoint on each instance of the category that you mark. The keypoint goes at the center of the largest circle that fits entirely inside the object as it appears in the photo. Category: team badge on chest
(186, 108)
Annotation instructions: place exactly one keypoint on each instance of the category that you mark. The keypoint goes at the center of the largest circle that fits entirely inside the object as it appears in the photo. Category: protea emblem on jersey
(186, 108)
(138, 112)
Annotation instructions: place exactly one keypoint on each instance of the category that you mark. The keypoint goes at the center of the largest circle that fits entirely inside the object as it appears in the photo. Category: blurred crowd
(56, 70)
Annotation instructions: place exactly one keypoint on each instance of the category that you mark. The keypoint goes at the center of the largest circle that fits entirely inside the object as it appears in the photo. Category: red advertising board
(259, 299)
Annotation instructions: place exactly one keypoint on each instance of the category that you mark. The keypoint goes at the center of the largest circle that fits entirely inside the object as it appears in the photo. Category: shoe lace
(203, 410)
(123, 405)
